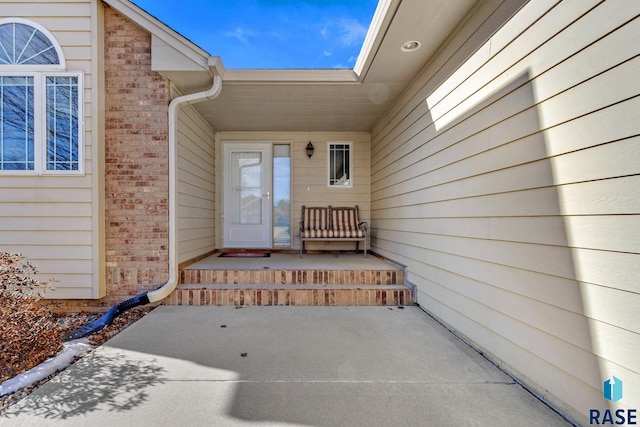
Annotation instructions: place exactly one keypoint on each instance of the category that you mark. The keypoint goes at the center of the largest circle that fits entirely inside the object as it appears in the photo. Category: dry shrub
(28, 332)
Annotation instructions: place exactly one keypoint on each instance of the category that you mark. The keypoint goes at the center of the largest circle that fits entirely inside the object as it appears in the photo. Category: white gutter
(166, 289)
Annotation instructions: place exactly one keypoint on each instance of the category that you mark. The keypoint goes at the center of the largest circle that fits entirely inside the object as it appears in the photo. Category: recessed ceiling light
(410, 46)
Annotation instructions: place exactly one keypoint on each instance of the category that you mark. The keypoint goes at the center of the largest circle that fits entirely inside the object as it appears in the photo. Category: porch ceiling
(339, 100)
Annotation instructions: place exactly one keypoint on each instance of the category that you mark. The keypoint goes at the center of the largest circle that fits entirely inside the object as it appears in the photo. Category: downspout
(174, 106)
(165, 290)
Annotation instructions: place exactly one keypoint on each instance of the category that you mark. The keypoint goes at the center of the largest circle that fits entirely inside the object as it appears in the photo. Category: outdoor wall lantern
(310, 149)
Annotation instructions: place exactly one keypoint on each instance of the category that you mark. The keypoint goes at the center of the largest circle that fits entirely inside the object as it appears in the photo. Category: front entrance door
(247, 195)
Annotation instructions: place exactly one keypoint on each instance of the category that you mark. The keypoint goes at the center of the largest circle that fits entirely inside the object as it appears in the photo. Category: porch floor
(318, 279)
(295, 261)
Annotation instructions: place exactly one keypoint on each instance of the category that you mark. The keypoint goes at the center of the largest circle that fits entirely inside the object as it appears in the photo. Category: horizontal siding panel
(585, 165)
(607, 232)
(49, 218)
(56, 238)
(510, 190)
(188, 188)
(570, 107)
(42, 210)
(190, 180)
(75, 38)
(196, 186)
(46, 195)
(193, 249)
(64, 266)
(194, 201)
(461, 161)
(470, 319)
(44, 224)
(547, 61)
(544, 88)
(195, 224)
(613, 123)
(551, 260)
(44, 182)
(564, 355)
(189, 212)
(196, 156)
(56, 24)
(49, 9)
(78, 292)
(607, 197)
(614, 270)
(196, 235)
(39, 252)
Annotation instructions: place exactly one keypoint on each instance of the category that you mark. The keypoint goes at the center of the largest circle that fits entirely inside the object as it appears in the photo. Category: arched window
(40, 103)
(22, 44)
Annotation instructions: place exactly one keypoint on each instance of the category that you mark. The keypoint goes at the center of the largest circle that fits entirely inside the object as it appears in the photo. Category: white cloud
(241, 34)
(344, 32)
(352, 32)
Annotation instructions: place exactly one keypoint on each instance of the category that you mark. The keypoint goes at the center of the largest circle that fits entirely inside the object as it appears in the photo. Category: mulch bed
(30, 334)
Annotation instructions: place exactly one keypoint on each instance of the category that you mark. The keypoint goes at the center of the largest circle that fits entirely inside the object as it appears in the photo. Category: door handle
(268, 195)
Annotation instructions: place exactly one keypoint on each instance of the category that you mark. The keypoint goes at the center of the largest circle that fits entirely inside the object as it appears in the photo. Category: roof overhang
(310, 100)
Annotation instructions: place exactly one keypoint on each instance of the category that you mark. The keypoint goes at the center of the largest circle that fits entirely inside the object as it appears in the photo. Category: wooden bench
(332, 224)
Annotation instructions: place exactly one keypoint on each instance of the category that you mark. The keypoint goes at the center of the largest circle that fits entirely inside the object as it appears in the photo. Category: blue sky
(271, 33)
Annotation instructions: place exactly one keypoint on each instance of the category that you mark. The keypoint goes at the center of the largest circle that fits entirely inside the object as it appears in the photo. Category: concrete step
(292, 277)
(241, 295)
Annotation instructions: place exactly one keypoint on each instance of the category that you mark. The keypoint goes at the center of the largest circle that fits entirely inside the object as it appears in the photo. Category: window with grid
(40, 103)
(339, 164)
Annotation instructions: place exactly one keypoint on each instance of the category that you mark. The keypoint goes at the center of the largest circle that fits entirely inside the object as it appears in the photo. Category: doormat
(245, 255)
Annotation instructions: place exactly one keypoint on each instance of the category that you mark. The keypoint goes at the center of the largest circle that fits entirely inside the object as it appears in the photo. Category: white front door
(247, 195)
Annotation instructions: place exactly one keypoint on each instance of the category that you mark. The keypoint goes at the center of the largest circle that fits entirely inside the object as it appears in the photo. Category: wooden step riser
(293, 277)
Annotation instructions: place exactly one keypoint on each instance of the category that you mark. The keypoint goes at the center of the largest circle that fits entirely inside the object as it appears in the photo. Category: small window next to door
(339, 165)
(281, 196)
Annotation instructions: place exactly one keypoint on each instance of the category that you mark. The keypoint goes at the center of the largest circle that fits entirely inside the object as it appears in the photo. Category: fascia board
(290, 76)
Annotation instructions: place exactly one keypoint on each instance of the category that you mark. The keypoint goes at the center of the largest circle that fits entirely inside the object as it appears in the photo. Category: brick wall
(136, 168)
(136, 156)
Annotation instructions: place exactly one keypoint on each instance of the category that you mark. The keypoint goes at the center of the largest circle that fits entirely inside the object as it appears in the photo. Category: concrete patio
(311, 366)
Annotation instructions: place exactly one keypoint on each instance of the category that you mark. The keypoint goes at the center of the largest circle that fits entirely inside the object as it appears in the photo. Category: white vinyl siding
(309, 176)
(49, 218)
(196, 186)
(507, 179)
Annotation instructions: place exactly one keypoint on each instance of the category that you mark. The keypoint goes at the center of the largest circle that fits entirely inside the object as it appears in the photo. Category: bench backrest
(344, 221)
(330, 222)
(315, 222)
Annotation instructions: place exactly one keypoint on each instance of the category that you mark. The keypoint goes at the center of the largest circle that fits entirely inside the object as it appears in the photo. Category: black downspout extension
(107, 318)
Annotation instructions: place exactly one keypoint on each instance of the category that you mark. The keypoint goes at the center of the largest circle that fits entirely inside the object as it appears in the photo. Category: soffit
(313, 100)
(338, 100)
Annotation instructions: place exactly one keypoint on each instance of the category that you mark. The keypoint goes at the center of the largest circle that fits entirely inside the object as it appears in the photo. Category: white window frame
(349, 183)
(40, 73)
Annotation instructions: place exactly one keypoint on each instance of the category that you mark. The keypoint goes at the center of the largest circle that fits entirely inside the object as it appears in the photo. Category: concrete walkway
(273, 366)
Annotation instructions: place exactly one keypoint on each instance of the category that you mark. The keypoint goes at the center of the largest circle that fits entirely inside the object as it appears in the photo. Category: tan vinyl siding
(507, 179)
(49, 218)
(196, 186)
(309, 182)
